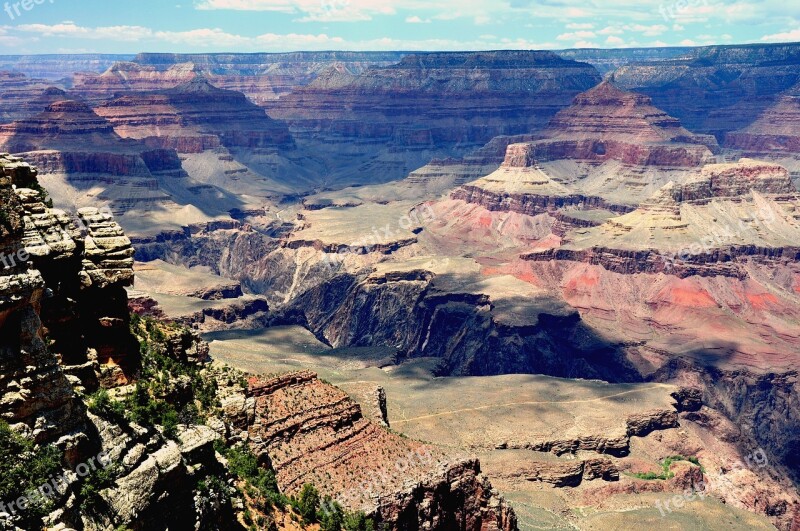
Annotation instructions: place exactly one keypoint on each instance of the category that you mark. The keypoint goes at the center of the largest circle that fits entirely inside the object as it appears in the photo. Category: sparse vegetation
(666, 473)
(99, 479)
(308, 504)
(152, 402)
(25, 467)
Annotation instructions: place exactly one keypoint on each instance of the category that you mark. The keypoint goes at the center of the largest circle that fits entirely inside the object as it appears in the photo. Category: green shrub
(358, 522)
(93, 484)
(25, 467)
(101, 404)
(308, 504)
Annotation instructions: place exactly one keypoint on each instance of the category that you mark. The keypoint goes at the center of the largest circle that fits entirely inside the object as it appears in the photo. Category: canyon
(478, 291)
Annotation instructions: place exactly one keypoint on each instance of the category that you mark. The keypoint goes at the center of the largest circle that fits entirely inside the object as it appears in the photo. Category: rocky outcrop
(567, 473)
(193, 117)
(86, 262)
(419, 103)
(68, 137)
(19, 96)
(609, 123)
(396, 118)
(403, 484)
(722, 217)
(532, 204)
(35, 393)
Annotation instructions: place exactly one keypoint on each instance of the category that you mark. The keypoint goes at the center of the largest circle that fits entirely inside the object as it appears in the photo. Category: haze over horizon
(92, 26)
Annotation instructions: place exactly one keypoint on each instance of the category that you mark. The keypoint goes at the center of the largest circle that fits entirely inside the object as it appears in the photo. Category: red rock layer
(70, 137)
(314, 433)
(607, 123)
(193, 117)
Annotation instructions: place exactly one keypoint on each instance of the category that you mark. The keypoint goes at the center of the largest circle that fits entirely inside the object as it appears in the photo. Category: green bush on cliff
(25, 467)
(243, 464)
(97, 481)
(307, 504)
(150, 403)
(332, 517)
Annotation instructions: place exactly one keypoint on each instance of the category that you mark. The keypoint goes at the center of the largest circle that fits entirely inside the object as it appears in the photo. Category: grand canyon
(403, 290)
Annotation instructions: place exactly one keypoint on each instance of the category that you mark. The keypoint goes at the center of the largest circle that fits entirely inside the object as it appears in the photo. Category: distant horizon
(410, 52)
(41, 27)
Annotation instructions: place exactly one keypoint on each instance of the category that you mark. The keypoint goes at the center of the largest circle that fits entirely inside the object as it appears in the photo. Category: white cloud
(219, 40)
(786, 36)
(585, 44)
(576, 35)
(648, 31)
(614, 41)
(580, 26)
(611, 30)
(417, 20)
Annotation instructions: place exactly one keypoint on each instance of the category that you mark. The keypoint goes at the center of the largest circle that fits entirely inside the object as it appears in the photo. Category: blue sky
(127, 26)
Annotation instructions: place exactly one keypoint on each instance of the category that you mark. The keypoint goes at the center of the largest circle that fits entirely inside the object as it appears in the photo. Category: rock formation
(404, 484)
(394, 100)
(261, 77)
(17, 96)
(35, 390)
(193, 117)
(68, 137)
(716, 89)
(775, 131)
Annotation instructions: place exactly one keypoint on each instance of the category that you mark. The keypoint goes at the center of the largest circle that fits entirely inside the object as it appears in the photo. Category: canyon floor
(486, 417)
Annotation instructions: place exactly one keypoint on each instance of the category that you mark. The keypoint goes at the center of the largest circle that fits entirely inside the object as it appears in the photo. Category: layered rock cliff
(716, 89)
(402, 483)
(261, 77)
(193, 117)
(774, 132)
(419, 102)
(68, 137)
